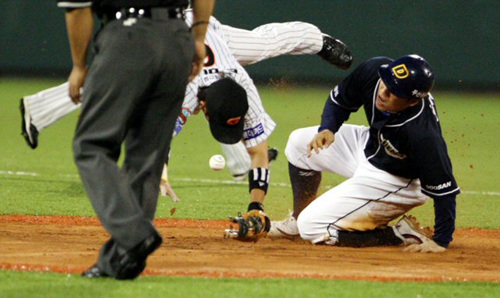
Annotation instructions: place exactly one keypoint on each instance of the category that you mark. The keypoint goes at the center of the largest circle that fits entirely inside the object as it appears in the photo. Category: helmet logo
(234, 121)
(400, 71)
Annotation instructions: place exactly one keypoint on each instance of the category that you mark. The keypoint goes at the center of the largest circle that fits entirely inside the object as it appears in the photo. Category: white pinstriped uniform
(272, 40)
(233, 47)
(264, 42)
(219, 64)
(49, 105)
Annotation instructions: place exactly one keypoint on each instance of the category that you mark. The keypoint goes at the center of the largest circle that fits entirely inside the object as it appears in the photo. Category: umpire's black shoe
(132, 263)
(94, 272)
(29, 131)
(272, 154)
(335, 52)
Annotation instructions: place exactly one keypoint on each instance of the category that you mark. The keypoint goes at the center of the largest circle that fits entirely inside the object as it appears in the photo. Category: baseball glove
(252, 226)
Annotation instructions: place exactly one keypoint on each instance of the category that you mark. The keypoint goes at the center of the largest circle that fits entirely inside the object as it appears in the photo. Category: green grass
(469, 122)
(23, 284)
(45, 181)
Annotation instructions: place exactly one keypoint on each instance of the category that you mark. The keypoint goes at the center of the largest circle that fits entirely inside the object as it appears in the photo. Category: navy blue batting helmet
(409, 77)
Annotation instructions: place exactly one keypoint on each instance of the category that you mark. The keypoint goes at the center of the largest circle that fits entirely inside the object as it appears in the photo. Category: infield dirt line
(196, 248)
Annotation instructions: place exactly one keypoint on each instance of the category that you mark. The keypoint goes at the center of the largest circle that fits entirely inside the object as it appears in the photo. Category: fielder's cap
(409, 77)
(226, 106)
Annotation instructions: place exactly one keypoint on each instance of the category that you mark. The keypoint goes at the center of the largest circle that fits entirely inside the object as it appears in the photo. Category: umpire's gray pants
(133, 95)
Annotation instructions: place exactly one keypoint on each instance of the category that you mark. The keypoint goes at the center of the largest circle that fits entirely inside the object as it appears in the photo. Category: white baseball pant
(368, 199)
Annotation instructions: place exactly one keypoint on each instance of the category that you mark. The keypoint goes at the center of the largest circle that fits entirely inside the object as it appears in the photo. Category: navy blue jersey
(407, 144)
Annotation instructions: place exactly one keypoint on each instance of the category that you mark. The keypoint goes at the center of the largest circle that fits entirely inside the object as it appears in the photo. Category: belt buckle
(131, 12)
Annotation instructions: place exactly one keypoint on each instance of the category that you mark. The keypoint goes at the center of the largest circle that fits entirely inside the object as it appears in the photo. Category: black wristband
(258, 178)
(198, 23)
(255, 206)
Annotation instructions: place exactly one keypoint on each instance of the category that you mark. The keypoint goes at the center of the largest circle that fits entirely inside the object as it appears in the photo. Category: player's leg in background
(44, 108)
(305, 172)
(272, 40)
(291, 38)
(238, 160)
(305, 184)
(356, 213)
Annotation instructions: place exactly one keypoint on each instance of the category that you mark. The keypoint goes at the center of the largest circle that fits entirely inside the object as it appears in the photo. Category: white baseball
(217, 162)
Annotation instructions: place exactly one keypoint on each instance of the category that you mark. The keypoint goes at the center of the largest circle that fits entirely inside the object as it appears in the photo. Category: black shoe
(133, 262)
(272, 154)
(94, 272)
(335, 52)
(29, 131)
(240, 177)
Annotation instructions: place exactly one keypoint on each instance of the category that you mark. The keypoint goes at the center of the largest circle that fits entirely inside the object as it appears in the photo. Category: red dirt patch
(197, 248)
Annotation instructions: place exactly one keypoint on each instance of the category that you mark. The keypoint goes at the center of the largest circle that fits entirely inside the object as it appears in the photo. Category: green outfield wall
(461, 39)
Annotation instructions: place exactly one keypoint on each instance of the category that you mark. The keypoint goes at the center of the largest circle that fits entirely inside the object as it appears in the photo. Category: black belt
(154, 13)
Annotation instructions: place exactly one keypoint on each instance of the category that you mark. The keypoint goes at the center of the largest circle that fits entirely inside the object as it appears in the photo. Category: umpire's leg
(151, 128)
(147, 145)
(119, 78)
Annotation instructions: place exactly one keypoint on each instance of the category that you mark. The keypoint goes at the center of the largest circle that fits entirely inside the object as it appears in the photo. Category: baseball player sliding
(392, 166)
(233, 48)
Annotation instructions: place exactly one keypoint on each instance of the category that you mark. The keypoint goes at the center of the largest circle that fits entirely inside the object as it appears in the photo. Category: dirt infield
(197, 248)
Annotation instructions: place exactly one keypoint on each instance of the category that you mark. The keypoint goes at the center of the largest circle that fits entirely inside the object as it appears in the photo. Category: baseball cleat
(335, 52)
(286, 228)
(94, 272)
(133, 262)
(272, 154)
(410, 231)
(240, 177)
(29, 131)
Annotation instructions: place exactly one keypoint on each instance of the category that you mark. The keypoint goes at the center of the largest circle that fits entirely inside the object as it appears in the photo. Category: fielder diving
(226, 46)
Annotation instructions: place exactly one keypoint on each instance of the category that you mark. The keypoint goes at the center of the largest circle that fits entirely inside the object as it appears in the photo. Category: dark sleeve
(350, 94)
(333, 116)
(436, 177)
(445, 213)
(435, 170)
(430, 158)
(343, 100)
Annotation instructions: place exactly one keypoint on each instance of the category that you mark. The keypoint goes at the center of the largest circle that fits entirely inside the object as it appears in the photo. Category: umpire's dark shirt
(407, 144)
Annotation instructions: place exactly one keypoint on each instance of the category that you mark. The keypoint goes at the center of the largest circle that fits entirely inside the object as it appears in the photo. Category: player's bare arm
(321, 140)
(259, 159)
(202, 10)
(165, 187)
(80, 26)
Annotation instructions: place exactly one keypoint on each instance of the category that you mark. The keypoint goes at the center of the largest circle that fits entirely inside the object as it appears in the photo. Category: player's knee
(309, 228)
(296, 147)
(297, 142)
(296, 138)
